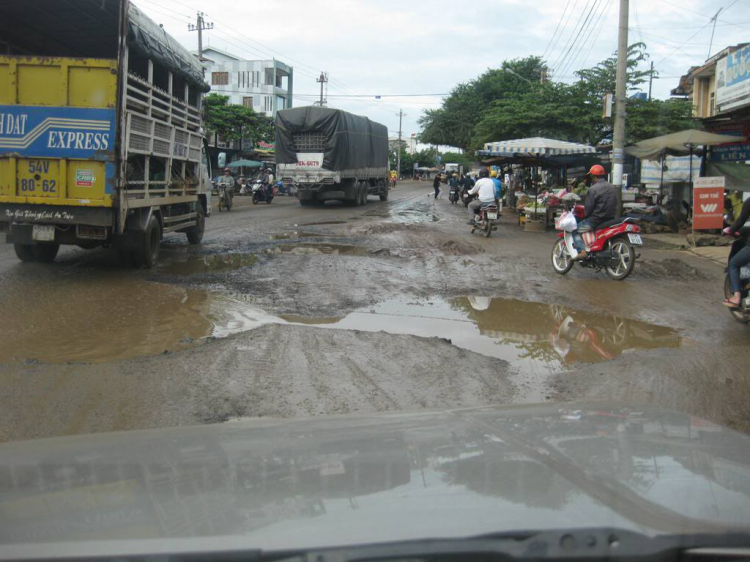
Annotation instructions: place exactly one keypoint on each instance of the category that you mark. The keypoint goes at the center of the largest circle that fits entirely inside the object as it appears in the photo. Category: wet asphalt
(290, 311)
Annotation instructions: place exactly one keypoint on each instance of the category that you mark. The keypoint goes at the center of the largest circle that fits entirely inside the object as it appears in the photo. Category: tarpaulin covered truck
(100, 130)
(329, 154)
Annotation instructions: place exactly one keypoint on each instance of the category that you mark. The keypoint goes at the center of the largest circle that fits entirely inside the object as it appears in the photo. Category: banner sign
(678, 170)
(730, 152)
(57, 132)
(708, 203)
(733, 80)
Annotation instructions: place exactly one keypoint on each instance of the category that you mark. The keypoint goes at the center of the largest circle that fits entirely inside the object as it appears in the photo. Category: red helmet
(597, 170)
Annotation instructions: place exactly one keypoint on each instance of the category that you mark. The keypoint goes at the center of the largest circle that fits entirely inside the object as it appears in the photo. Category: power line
(559, 22)
(570, 38)
(588, 16)
(596, 38)
(592, 28)
(564, 26)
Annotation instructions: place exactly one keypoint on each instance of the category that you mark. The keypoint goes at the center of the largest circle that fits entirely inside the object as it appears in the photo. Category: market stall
(538, 169)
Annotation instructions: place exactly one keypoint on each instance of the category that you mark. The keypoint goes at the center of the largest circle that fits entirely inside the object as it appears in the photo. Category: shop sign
(731, 153)
(733, 80)
(708, 203)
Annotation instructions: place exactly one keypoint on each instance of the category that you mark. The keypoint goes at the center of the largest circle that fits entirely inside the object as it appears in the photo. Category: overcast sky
(387, 47)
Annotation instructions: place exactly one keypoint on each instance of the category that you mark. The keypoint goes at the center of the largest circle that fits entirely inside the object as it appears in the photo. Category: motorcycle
(225, 198)
(485, 221)
(741, 314)
(261, 194)
(466, 198)
(454, 195)
(610, 247)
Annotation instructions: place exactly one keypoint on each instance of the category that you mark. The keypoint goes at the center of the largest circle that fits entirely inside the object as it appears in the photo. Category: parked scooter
(610, 247)
(485, 220)
(741, 314)
(261, 194)
(454, 194)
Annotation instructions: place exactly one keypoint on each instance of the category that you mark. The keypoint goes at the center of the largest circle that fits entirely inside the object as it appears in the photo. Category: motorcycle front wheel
(562, 261)
(739, 315)
(624, 257)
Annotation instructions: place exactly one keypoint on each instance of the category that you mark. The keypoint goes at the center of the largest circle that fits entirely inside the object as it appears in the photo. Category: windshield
(372, 273)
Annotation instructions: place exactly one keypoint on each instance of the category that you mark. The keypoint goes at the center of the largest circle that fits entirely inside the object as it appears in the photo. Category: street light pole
(398, 154)
(618, 136)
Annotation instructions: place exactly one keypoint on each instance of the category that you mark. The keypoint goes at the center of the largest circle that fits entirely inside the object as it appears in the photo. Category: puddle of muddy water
(296, 235)
(107, 318)
(193, 264)
(321, 223)
(303, 249)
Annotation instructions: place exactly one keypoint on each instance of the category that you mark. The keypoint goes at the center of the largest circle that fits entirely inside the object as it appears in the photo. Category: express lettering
(78, 141)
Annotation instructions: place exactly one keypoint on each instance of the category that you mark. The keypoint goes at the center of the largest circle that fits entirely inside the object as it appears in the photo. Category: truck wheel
(383, 191)
(365, 192)
(25, 252)
(148, 253)
(195, 234)
(45, 253)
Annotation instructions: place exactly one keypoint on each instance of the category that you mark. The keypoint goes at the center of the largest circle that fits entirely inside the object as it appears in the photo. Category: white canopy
(535, 146)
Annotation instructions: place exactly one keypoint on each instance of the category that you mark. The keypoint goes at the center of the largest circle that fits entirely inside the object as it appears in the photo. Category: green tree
(235, 122)
(453, 124)
(512, 102)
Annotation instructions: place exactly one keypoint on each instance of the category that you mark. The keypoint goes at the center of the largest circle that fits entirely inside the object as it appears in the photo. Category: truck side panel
(57, 131)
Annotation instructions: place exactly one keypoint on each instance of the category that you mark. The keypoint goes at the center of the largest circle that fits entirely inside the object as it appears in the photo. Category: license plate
(635, 239)
(43, 233)
(492, 216)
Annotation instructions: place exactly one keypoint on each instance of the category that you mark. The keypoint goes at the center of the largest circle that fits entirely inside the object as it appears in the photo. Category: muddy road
(285, 311)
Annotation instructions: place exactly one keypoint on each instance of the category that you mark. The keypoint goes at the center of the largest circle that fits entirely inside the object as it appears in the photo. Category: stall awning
(678, 144)
(535, 146)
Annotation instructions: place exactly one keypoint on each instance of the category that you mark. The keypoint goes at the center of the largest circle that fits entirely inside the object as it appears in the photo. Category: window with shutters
(247, 101)
(219, 78)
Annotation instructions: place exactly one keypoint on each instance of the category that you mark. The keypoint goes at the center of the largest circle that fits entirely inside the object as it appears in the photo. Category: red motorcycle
(610, 247)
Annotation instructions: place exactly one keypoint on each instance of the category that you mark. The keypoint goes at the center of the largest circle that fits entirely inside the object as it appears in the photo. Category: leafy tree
(453, 124)
(235, 122)
(512, 102)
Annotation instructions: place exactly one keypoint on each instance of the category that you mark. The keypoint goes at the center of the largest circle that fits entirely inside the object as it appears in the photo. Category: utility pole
(650, 80)
(401, 115)
(711, 43)
(322, 81)
(618, 137)
(199, 26)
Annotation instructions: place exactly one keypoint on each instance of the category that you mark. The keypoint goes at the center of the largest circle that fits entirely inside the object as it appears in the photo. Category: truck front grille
(309, 141)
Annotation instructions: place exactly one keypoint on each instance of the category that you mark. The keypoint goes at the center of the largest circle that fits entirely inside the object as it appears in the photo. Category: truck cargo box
(346, 141)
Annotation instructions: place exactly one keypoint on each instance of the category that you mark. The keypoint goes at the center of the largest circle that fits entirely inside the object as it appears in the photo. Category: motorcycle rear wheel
(562, 261)
(487, 228)
(623, 249)
(737, 314)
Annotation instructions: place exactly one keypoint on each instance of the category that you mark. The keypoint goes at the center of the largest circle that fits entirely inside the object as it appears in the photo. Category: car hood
(337, 480)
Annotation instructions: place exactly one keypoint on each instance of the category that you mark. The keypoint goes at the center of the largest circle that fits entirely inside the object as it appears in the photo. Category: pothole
(304, 249)
(321, 223)
(196, 264)
(296, 235)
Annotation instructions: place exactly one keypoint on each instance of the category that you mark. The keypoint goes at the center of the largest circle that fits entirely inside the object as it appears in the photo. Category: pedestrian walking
(436, 185)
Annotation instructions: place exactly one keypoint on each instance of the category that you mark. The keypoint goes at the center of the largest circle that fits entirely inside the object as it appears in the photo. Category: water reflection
(334, 481)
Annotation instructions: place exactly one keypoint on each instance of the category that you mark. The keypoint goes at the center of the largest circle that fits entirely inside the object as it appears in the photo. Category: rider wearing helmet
(601, 206)
(486, 190)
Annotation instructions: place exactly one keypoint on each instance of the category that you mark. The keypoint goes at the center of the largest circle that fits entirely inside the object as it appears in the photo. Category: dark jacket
(601, 202)
(742, 219)
(436, 182)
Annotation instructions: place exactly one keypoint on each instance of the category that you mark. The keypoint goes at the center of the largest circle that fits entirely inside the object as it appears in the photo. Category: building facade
(720, 93)
(262, 85)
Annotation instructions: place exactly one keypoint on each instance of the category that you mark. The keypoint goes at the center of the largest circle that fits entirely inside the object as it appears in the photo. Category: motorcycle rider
(453, 183)
(498, 189)
(226, 182)
(601, 206)
(740, 259)
(486, 190)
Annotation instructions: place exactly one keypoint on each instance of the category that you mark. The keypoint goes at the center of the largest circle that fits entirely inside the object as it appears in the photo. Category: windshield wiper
(574, 544)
